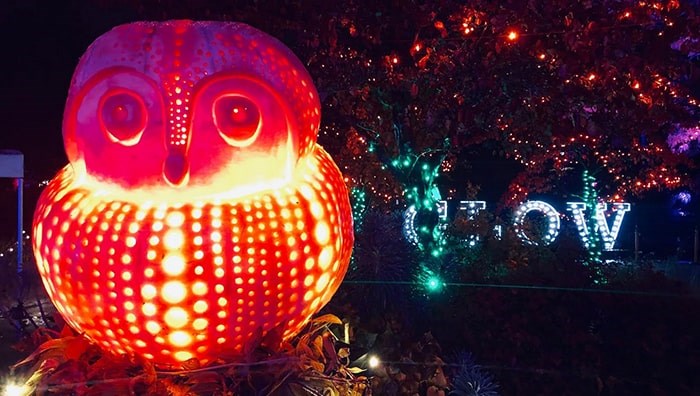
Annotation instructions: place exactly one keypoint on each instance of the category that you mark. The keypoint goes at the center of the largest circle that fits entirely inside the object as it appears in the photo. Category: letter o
(550, 213)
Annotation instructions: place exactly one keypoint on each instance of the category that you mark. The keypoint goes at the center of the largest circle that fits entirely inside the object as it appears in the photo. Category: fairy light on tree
(592, 243)
(430, 282)
(434, 283)
(557, 87)
(616, 72)
(358, 201)
(418, 174)
(546, 93)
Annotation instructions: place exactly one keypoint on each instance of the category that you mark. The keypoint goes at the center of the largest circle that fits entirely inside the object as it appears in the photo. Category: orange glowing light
(512, 35)
(197, 208)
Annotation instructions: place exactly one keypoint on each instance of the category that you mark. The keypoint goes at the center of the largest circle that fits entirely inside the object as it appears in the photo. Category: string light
(394, 172)
(609, 234)
(358, 200)
(409, 229)
(580, 217)
(12, 248)
(430, 282)
(550, 214)
(472, 208)
(434, 283)
(578, 211)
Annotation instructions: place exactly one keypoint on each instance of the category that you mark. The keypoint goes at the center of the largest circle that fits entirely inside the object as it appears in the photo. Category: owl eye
(238, 120)
(123, 116)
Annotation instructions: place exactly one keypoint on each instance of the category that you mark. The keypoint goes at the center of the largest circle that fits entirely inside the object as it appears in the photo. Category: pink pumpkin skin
(184, 65)
(197, 209)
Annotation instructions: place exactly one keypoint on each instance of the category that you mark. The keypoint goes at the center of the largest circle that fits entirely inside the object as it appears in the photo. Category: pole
(20, 225)
(696, 245)
(636, 243)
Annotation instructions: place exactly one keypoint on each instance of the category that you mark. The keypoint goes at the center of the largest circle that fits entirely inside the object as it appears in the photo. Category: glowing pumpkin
(197, 208)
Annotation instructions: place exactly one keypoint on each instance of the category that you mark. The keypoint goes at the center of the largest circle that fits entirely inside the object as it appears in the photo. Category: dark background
(43, 41)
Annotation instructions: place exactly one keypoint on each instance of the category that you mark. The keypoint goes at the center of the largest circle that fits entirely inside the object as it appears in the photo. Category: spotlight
(373, 362)
(12, 389)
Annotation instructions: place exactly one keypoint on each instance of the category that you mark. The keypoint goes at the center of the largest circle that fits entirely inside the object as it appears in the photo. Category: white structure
(12, 166)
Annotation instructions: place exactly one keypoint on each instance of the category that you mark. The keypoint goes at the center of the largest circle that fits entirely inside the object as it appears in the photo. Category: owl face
(168, 105)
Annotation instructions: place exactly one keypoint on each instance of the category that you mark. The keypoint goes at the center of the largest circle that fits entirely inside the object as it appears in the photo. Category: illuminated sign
(609, 235)
(537, 206)
(472, 208)
(553, 225)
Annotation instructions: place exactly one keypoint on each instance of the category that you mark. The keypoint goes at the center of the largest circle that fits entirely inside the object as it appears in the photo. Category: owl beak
(176, 169)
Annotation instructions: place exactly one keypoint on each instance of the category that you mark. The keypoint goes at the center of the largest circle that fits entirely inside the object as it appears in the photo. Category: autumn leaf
(327, 319)
(356, 370)
(55, 349)
(330, 353)
(317, 347)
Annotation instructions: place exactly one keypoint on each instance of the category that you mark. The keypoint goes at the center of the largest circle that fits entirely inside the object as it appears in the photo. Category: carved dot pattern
(193, 279)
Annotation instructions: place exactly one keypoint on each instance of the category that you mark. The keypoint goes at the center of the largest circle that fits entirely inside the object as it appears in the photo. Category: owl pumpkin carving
(197, 209)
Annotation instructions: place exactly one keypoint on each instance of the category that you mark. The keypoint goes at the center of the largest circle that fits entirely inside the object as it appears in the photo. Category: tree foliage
(555, 85)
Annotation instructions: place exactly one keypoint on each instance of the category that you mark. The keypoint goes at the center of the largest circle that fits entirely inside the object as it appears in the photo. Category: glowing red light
(197, 209)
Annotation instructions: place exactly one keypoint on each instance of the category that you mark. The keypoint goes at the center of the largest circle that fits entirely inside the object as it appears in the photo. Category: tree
(559, 87)
(593, 87)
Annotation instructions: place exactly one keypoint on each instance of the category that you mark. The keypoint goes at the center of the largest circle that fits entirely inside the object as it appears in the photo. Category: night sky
(43, 42)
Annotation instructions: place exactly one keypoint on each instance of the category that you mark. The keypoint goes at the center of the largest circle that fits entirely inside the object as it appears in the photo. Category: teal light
(434, 284)
(358, 201)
